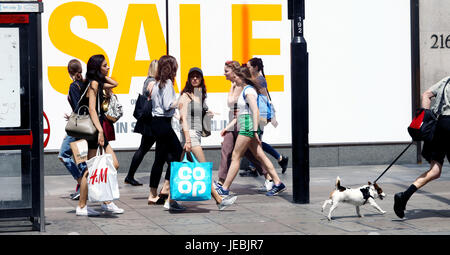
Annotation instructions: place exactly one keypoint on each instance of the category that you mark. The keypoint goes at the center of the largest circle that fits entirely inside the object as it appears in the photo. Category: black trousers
(168, 148)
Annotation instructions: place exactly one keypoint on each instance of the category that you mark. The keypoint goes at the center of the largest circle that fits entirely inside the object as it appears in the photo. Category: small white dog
(357, 197)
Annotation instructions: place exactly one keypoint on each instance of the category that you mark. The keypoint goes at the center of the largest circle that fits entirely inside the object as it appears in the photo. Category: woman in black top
(97, 80)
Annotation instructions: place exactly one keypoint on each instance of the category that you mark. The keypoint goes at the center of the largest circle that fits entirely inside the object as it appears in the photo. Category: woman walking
(97, 80)
(76, 90)
(168, 147)
(256, 68)
(248, 119)
(230, 132)
(143, 126)
(191, 106)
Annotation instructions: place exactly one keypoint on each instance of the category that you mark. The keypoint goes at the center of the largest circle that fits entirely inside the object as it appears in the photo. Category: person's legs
(146, 143)
(226, 152)
(65, 156)
(258, 152)
(241, 145)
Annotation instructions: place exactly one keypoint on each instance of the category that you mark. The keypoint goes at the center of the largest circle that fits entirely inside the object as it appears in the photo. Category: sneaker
(217, 184)
(276, 190)
(226, 201)
(267, 186)
(86, 211)
(222, 191)
(249, 172)
(112, 208)
(175, 207)
(399, 205)
(283, 163)
(76, 195)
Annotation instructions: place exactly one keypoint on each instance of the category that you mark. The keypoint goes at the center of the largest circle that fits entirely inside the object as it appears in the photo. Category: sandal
(161, 199)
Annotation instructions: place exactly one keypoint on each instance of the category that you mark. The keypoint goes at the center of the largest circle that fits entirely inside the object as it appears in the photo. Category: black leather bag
(143, 108)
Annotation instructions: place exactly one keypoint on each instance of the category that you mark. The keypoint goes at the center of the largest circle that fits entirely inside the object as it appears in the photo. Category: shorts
(196, 138)
(439, 147)
(245, 125)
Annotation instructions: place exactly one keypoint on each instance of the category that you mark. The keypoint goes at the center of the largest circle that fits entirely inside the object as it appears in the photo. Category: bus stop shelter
(21, 113)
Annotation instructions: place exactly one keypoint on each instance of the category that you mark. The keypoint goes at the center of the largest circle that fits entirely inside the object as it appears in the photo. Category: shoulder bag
(424, 123)
(81, 125)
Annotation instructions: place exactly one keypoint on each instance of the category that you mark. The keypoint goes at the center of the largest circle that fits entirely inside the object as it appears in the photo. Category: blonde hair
(153, 68)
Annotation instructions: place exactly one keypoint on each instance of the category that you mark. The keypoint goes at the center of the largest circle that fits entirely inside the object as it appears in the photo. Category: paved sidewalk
(255, 214)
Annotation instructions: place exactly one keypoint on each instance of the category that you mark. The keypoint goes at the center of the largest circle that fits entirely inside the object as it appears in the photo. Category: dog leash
(395, 160)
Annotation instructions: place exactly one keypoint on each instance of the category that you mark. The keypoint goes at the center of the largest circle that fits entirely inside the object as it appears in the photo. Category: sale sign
(132, 33)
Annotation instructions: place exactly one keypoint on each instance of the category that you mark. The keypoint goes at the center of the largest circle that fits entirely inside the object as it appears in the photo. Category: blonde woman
(143, 127)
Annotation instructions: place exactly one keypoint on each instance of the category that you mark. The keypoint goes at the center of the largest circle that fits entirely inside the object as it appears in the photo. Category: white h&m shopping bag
(102, 178)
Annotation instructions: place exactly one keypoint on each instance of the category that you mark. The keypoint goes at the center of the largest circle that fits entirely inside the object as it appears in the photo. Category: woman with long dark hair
(192, 104)
(96, 81)
(256, 68)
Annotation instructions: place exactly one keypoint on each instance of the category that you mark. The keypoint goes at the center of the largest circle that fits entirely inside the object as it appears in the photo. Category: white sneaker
(226, 201)
(86, 211)
(268, 185)
(112, 208)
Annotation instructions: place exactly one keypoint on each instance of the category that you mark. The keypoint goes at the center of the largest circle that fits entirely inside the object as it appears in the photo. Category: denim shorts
(65, 154)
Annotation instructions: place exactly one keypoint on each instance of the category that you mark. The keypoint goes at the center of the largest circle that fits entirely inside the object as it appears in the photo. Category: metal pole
(299, 101)
(167, 27)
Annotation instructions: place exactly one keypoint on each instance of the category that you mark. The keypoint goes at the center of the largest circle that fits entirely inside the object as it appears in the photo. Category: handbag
(143, 108)
(190, 181)
(424, 123)
(114, 112)
(206, 123)
(81, 125)
(102, 178)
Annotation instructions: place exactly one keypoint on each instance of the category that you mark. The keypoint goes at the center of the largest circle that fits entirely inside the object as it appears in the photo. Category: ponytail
(258, 63)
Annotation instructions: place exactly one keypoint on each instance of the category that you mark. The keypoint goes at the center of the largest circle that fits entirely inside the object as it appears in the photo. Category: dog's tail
(338, 184)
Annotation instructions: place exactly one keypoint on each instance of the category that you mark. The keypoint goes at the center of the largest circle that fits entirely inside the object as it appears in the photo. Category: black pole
(167, 27)
(299, 101)
(415, 66)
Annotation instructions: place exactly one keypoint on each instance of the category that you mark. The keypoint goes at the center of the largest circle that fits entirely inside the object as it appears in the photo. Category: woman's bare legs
(241, 145)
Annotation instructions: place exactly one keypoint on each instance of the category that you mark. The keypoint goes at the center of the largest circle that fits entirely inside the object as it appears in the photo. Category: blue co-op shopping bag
(190, 181)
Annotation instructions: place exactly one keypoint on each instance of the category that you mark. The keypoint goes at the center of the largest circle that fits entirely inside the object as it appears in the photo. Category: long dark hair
(243, 73)
(93, 72)
(167, 69)
(258, 63)
(189, 88)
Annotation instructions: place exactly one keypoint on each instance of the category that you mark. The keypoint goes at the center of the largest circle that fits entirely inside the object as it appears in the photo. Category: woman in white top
(248, 137)
(168, 148)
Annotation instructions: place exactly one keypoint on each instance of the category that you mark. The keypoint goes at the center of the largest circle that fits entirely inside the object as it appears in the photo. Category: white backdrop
(359, 75)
